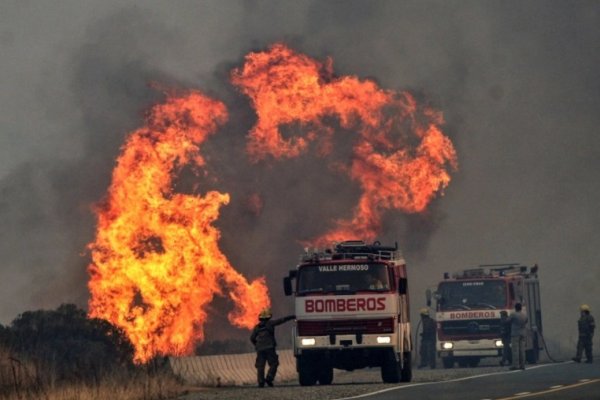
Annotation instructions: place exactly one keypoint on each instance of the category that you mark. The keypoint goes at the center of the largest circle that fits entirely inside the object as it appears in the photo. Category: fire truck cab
(468, 307)
(352, 312)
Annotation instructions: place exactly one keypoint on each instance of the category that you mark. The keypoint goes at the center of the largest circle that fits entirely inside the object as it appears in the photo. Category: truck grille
(475, 328)
(342, 327)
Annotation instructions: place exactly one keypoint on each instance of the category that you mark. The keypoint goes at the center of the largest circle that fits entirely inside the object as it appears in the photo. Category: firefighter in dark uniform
(586, 326)
(428, 335)
(263, 339)
(505, 336)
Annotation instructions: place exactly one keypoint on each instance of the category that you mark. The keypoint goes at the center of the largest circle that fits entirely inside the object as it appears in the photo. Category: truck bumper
(344, 342)
(470, 348)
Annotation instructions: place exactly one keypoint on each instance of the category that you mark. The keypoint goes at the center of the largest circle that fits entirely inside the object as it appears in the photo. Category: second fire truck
(468, 307)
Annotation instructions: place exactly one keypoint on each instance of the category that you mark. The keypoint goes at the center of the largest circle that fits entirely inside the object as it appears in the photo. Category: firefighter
(427, 350)
(518, 322)
(586, 326)
(263, 339)
(505, 336)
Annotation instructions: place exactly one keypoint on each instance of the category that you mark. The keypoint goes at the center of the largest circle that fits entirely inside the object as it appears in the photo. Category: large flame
(156, 261)
(156, 264)
(400, 155)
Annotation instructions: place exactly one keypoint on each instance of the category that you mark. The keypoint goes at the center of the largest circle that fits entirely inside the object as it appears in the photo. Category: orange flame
(156, 263)
(400, 156)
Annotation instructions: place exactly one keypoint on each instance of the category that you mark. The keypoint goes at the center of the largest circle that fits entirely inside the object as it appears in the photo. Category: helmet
(424, 311)
(265, 314)
(584, 307)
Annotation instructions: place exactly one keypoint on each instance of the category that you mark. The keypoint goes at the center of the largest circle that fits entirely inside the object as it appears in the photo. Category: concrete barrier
(229, 369)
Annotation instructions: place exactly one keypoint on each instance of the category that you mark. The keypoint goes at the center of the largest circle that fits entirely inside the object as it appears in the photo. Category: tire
(463, 363)
(306, 372)
(448, 362)
(390, 368)
(406, 371)
(532, 356)
(325, 375)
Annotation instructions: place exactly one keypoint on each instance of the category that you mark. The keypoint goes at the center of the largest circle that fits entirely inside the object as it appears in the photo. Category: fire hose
(546, 348)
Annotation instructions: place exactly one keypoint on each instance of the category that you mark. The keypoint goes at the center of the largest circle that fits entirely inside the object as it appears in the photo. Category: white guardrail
(229, 369)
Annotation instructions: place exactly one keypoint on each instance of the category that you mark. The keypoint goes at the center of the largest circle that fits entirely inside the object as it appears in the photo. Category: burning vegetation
(156, 263)
(400, 157)
(156, 260)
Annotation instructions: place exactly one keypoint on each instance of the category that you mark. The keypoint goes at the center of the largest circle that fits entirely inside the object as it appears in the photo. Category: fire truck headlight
(308, 342)
(384, 339)
(499, 343)
(447, 345)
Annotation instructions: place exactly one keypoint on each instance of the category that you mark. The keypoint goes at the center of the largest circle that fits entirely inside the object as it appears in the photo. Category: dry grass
(23, 381)
(146, 389)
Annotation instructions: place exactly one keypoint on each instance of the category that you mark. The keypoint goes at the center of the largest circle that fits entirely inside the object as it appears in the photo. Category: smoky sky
(518, 83)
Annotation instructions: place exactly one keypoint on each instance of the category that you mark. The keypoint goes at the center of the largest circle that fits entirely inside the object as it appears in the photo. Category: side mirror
(428, 297)
(402, 285)
(287, 286)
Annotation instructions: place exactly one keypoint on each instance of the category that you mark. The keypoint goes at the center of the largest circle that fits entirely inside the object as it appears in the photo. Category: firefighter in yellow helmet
(586, 327)
(263, 339)
(427, 350)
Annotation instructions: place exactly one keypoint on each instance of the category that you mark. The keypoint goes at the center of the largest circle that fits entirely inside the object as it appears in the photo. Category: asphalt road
(565, 381)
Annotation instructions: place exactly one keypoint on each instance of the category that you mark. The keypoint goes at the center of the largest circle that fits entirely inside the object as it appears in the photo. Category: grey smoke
(517, 81)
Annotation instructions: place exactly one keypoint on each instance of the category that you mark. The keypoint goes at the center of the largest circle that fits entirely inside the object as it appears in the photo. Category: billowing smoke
(517, 83)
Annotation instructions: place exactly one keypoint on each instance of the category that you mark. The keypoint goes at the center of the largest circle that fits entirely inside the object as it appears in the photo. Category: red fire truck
(352, 312)
(468, 307)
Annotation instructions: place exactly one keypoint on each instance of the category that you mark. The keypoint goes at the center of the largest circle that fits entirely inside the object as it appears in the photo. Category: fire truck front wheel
(325, 375)
(391, 370)
(307, 374)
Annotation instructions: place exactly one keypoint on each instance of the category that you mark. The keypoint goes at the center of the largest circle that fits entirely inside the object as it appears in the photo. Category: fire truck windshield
(471, 294)
(343, 278)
